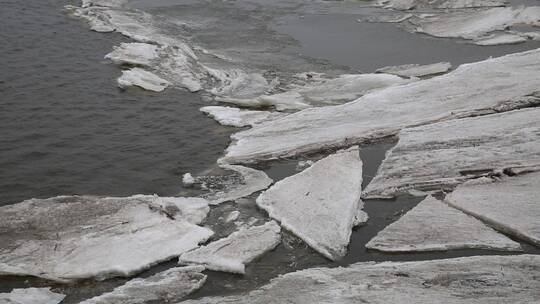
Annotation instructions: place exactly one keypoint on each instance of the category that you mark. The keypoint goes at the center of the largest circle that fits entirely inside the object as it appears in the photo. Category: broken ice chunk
(320, 204)
(143, 79)
(67, 238)
(31, 296)
(444, 154)
(510, 206)
(233, 216)
(168, 286)
(501, 38)
(416, 70)
(232, 253)
(433, 225)
(135, 53)
(235, 117)
(188, 180)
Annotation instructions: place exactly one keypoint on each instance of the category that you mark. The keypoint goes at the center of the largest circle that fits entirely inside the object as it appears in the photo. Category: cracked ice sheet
(323, 92)
(471, 89)
(445, 154)
(476, 25)
(320, 204)
(510, 205)
(67, 238)
(143, 79)
(232, 253)
(416, 70)
(31, 296)
(168, 286)
(235, 117)
(432, 225)
(468, 280)
(251, 181)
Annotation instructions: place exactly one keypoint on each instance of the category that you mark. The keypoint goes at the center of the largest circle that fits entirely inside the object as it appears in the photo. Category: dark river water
(65, 127)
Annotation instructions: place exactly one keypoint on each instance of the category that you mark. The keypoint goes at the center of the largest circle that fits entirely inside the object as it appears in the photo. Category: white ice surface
(68, 238)
(235, 117)
(445, 154)
(416, 70)
(432, 225)
(468, 280)
(166, 287)
(324, 92)
(31, 296)
(511, 205)
(320, 204)
(134, 53)
(143, 79)
(232, 253)
(492, 85)
(252, 180)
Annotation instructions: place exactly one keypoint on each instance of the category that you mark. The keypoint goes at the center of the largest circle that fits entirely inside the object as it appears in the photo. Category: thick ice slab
(476, 25)
(432, 225)
(323, 92)
(492, 85)
(67, 238)
(31, 296)
(232, 253)
(320, 204)
(135, 53)
(235, 117)
(445, 154)
(416, 70)
(478, 280)
(166, 287)
(248, 181)
(143, 79)
(510, 205)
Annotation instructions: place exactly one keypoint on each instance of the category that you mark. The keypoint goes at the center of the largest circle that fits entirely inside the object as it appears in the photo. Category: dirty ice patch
(481, 279)
(442, 155)
(68, 238)
(31, 296)
(168, 286)
(493, 85)
(510, 205)
(320, 204)
(432, 225)
(232, 253)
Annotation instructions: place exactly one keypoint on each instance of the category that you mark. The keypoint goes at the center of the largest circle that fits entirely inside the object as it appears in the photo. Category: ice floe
(31, 296)
(143, 79)
(404, 5)
(232, 253)
(235, 117)
(68, 238)
(432, 225)
(135, 53)
(496, 84)
(320, 204)
(416, 70)
(478, 279)
(510, 205)
(168, 286)
(442, 155)
(477, 25)
(501, 38)
(323, 92)
(245, 182)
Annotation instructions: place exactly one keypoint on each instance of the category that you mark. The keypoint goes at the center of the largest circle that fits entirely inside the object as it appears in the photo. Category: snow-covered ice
(31, 296)
(235, 117)
(432, 225)
(323, 92)
(510, 205)
(477, 279)
(68, 238)
(250, 181)
(320, 204)
(168, 286)
(496, 84)
(444, 154)
(416, 70)
(135, 53)
(143, 79)
(232, 253)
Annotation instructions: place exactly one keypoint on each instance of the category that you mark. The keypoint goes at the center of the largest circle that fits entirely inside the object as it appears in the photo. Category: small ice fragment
(501, 38)
(188, 180)
(416, 70)
(31, 296)
(233, 216)
(304, 164)
(235, 117)
(143, 79)
(135, 53)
